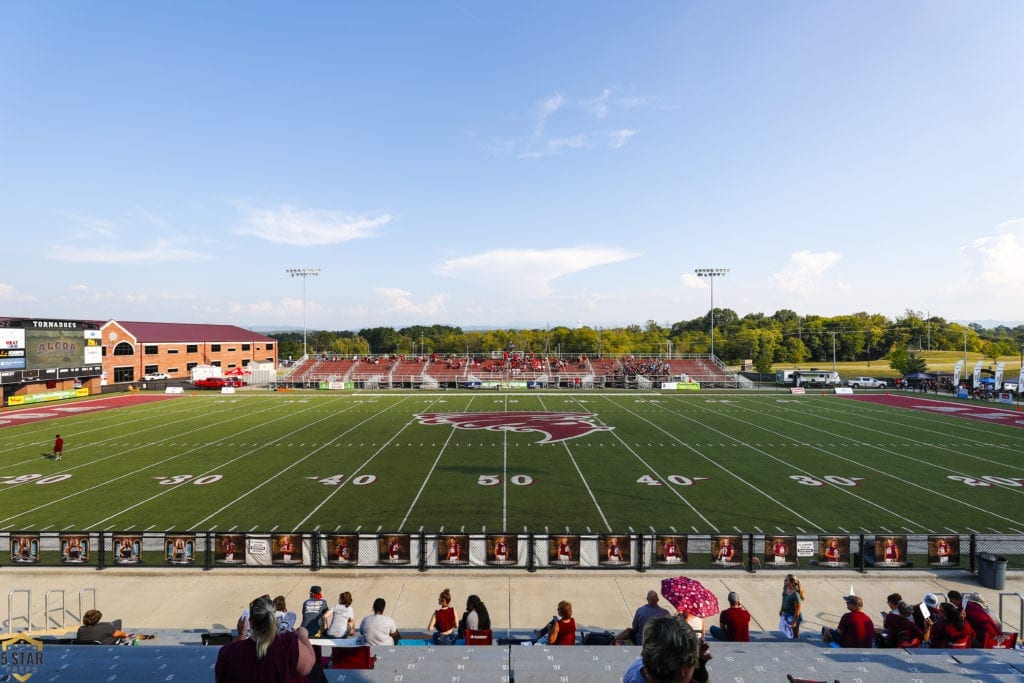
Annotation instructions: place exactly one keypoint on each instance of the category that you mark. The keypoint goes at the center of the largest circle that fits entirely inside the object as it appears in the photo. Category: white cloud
(619, 138)
(544, 109)
(598, 106)
(157, 253)
(993, 262)
(307, 227)
(538, 144)
(95, 226)
(402, 301)
(804, 270)
(11, 293)
(691, 281)
(529, 271)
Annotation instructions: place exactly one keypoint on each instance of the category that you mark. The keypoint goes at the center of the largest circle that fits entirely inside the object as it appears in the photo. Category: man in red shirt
(58, 448)
(855, 628)
(735, 622)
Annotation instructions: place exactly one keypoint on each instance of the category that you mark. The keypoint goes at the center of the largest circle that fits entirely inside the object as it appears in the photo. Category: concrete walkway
(212, 600)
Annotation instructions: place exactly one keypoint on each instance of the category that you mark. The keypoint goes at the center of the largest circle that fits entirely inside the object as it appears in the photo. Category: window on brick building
(124, 349)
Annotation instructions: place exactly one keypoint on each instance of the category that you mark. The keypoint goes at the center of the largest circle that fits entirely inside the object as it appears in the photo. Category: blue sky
(510, 164)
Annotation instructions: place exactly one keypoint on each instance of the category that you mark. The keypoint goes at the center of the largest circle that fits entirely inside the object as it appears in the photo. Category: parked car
(866, 383)
(218, 382)
(154, 376)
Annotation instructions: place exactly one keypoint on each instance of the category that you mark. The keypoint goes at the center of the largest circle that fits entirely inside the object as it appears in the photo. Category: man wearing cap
(855, 628)
(926, 609)
(314, 612)
(734, 622)
(975, 615)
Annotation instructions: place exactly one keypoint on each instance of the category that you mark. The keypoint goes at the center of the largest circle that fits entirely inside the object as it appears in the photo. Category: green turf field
(695, 463)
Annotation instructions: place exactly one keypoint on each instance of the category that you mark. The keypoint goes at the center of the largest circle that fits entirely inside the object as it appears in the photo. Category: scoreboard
(33, 350)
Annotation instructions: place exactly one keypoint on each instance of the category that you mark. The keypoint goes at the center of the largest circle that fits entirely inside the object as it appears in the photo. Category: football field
(587, 462)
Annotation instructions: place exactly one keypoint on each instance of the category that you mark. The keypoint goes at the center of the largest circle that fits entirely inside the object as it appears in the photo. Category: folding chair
(1003, 641)
(482, 637)
(357, 657)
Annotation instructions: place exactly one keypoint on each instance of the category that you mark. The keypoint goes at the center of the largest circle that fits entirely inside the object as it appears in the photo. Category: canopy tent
(918, 375)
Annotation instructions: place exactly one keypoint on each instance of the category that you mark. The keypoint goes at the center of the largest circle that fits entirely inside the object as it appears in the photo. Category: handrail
(10, 609)
(81, 594)
(1020, 611)
(47, 610)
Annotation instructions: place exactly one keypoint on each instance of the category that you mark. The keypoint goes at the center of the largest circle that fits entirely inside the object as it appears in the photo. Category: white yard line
(727, 471)
(108, 481)
(889, 475)
(294, 463)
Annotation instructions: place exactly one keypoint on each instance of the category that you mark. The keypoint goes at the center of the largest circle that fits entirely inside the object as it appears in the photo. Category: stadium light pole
(711, 274)
(304, 273)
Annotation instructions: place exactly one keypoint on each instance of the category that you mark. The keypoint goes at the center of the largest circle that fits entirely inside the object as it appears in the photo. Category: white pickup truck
(866, 383)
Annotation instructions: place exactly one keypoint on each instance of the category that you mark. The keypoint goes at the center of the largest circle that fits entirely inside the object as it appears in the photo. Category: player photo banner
(944, 551)
(564, 551)
(24, 548)
(127, 549)
(780, 551)
(180, 549)
(890, 551)
(74, 548)
(229, 549)
(614, 551)
(726, 551)
(502, 550)
(342, 550)
(286, 549)
(834, 551)
(393, 549)
(670, 551)
(453, 550)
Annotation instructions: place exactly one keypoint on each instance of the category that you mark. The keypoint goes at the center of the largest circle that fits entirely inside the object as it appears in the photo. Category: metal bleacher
(755, 662)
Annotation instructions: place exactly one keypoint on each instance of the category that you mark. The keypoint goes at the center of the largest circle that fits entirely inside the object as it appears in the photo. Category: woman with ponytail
(266, 656)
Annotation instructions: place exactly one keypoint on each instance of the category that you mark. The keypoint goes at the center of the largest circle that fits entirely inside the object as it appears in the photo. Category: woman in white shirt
(342, 618)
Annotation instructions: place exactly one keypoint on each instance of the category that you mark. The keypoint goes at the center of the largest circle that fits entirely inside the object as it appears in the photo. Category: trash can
(992, 571)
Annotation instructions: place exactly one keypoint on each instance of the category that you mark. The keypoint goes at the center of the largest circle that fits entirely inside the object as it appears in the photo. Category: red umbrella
(689, 596)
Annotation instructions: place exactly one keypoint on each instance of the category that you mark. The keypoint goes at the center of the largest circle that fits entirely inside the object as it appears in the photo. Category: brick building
(134, 349)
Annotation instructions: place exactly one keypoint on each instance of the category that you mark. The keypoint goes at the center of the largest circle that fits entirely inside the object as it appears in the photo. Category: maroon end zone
(36, 413)
(983, 413)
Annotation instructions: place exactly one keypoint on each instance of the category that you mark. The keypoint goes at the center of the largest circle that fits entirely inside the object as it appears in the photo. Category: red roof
(167, 333)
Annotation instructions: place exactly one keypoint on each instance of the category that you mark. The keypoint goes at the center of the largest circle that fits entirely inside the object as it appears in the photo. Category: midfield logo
(554, 426)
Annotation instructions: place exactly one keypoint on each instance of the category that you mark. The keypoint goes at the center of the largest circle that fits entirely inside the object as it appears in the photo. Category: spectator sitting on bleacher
(443, 621)
(734, 622)
(947, 628)
(378, 629)
(268, 656)
(898, 628)
(95, 631)
(476, 617)
(672, 653)
(635, 631)
(855, 628)
(342, 618)
(562, 630)
(285, 619)
(975, 614)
